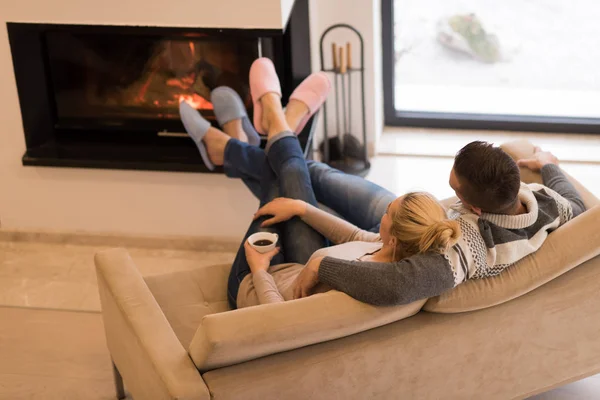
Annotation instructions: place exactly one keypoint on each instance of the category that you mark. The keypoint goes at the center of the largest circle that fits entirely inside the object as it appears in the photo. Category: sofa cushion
(187, 296)
(570, 245)
(236, 336)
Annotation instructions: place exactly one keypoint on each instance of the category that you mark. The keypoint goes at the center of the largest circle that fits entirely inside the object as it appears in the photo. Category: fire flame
(173, 90)
(196, 101)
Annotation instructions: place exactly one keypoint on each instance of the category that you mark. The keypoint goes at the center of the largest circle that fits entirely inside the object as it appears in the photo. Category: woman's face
(386, 221)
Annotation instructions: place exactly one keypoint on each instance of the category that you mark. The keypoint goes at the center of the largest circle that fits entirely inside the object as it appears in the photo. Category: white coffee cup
(272, 237)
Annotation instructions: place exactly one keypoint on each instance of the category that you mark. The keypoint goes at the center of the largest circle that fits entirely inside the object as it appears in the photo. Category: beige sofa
(172, 336)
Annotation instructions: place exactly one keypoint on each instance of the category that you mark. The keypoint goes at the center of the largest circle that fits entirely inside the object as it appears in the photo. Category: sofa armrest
(146, 351)
(248, 333)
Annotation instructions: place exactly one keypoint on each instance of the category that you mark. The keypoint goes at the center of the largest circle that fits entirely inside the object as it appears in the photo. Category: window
(514, 64)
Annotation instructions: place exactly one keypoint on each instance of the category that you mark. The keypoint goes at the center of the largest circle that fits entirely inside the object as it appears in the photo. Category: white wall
(134, 202)
(195, 13)
(108, 201)
(286, 10)
(139, 202)
(365, 16)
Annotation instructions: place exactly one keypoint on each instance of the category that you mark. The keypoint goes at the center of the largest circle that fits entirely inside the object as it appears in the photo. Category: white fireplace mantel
(236, 14)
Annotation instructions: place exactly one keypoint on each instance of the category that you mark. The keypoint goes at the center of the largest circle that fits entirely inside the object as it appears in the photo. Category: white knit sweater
(492, 242)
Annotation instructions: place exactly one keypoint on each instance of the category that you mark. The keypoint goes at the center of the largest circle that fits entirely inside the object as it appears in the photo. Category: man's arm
(556, 180)
(384, 284)
(552, 176)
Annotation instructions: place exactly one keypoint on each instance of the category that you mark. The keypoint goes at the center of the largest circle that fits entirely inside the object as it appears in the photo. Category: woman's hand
(308, 278)
(281, 209)
(258, 261)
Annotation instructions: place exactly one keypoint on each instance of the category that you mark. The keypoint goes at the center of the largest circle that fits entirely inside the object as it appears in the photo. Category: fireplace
(113, 79)
(108, 96)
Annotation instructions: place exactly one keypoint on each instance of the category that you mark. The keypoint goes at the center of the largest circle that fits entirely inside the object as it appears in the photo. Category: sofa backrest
(569, 246)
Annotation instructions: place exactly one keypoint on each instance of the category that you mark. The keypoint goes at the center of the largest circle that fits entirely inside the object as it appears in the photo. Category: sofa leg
(118, 383)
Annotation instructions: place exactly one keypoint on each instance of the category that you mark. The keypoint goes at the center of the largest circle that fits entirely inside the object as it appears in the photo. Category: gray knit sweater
(489, 244)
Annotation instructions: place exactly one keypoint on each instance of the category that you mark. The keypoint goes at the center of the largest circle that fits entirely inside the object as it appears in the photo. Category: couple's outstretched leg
(287, 162)
(357, 200)
(283, 172)
(269, 190)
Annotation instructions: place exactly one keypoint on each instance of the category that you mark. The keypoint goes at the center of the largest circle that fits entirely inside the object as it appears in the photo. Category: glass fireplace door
(105, 79)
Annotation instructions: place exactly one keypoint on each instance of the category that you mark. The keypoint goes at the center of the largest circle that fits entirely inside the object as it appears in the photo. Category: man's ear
(476, 210)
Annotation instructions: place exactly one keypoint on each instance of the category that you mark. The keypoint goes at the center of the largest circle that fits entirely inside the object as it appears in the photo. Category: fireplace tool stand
(345, 151)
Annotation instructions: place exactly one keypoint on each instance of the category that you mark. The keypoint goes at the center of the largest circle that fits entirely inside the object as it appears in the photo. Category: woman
(412, 224)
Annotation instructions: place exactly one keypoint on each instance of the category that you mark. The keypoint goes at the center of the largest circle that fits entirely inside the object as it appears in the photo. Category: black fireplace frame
(50, 144)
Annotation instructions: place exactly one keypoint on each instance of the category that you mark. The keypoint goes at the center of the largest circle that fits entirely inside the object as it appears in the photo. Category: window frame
(426, 119)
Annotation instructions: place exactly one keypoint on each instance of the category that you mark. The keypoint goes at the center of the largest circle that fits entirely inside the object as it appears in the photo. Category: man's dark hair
(489, 178)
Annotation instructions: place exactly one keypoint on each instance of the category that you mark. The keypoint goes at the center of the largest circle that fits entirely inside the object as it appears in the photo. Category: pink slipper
(263, 80)
(313, 92)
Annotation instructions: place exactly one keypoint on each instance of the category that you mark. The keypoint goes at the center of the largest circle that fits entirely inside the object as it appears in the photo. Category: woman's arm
(265, 287)
(333, 228)
(264, 284)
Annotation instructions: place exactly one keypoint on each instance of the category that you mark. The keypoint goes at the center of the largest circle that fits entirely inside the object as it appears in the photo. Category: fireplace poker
(349, 67)
(336, 70)
(352, 147)
(342, 66)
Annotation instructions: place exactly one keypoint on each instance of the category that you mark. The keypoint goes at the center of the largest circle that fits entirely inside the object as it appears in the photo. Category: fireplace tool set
(345, 151)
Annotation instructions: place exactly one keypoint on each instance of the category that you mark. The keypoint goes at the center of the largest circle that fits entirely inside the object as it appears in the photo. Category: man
(501, 219)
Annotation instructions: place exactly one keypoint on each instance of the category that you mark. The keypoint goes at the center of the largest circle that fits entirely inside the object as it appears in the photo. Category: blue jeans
(355, 199)
(282, 172)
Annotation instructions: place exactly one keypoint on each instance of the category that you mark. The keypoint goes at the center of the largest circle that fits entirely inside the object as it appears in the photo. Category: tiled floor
(47, 353)
(54, 345)
(407, 173)
(439, 142)
(62, 276)
(51, 355)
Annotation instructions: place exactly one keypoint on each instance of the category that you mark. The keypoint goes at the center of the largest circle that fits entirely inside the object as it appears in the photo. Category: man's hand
(281, 209)
(540, 158)
(258, 261)
(308, 278)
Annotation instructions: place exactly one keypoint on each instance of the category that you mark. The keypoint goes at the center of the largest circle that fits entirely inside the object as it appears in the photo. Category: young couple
(388, 250)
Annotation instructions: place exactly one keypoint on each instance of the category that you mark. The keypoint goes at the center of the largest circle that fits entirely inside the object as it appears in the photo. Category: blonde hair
(420, 224)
